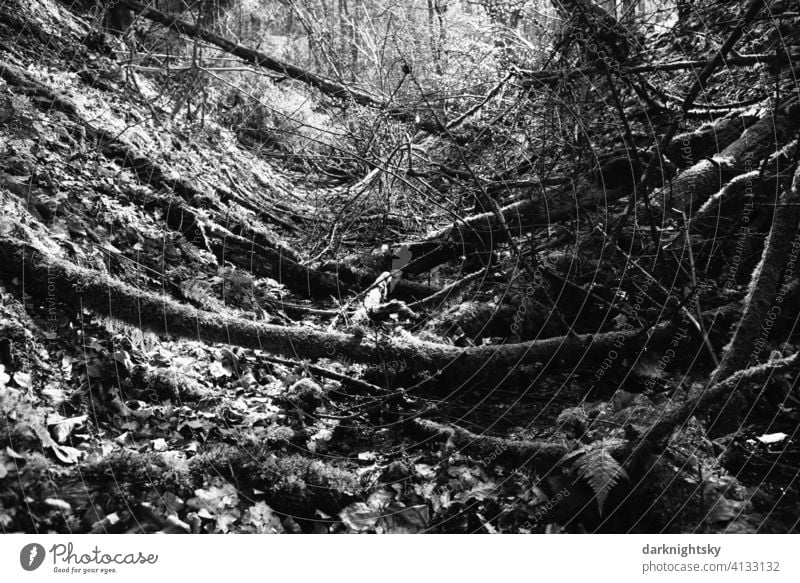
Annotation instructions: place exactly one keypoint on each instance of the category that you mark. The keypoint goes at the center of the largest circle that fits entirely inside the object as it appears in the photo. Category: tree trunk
(433, 36)
(83, 288)
(696, 184)
(765, 294)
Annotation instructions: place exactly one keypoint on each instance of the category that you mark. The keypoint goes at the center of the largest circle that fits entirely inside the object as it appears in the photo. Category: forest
(380, 266)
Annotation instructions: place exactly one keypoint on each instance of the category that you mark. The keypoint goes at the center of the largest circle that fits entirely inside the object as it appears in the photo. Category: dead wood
(655, 439)
(323, 84)
(696, 184)
(448, 292)
(763, 295)
(707, 177)
(491, 448)
(689, 148)
(483, 232)
(85, 288)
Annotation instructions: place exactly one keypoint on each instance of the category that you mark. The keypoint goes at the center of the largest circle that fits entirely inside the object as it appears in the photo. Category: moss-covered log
(46, 276)
(696, 184)
(490, 448)
(763, 297)
(483, 232)
(689, 148)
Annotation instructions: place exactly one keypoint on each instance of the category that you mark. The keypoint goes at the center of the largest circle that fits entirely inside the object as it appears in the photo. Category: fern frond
(600, 470)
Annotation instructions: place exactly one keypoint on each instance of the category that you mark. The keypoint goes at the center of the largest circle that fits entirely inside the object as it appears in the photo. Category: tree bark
(82, 288)
(689, 148)
(763, 297)
(541, 453)
(483, 232)
(693, 186)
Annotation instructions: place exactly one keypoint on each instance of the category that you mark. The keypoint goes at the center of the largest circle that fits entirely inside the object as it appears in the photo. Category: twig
(633, 154)
(699, 321)
(363, 386)
(681, 307)
(489, 96)
(495, 209)
(264, 61)
(447, 290)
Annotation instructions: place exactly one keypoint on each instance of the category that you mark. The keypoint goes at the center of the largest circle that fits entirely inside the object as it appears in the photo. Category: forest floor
(109, 426)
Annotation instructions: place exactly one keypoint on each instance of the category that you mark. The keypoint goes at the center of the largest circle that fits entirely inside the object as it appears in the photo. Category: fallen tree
(657, 436)
(323, 84)
(693, 186)
(81, 288)
(542, 453)
(753, 8)
(547, 204)
(765, 295)
(481, 233)
(689, 148)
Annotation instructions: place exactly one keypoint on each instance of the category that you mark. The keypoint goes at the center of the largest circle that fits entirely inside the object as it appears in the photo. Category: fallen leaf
(101, 526)
(58, 504)
(219, 501)
(121, 408)
(54, 394)
(174, 525)
(62, 428)
(424, 471)
(122, 357)
(217, 370)
(67, 455)
(770, 438)
(404, 520)
(4, 378)
(159, 444)
(359, 517)
(380, 500)
(263, 519)
(22, 379)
